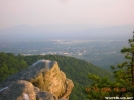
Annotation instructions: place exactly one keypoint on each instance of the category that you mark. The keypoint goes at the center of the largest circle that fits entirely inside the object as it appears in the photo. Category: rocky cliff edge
(41, 81)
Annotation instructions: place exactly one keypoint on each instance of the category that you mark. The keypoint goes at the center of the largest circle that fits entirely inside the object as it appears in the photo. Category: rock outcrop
(41, 81)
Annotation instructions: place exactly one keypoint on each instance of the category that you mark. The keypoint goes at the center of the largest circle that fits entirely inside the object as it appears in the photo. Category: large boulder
(47, 76)
(23, 90)
(17, 90)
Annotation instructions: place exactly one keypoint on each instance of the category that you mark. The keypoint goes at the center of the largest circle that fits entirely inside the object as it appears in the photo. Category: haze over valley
(98, 46)
(93, 30)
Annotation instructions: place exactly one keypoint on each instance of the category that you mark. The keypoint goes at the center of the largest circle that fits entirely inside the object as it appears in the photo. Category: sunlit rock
(47, 77)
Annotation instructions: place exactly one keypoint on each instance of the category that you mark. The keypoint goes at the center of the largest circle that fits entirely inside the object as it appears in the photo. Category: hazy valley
(95, 46)
(100, 46)
(102, 53)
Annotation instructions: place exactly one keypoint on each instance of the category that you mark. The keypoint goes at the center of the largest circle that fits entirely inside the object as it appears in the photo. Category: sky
(95, 13)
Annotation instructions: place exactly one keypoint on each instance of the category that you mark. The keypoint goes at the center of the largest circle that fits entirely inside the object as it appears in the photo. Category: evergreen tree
(124, 72)
(123, 85)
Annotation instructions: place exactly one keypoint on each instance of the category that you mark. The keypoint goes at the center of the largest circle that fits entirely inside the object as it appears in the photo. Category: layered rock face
(41, 81)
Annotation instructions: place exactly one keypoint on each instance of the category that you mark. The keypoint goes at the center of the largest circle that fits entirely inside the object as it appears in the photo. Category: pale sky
(97, 13)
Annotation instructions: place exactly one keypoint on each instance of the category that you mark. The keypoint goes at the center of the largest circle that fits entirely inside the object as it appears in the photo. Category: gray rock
(45, 96)
(46, 77)
(18, 90)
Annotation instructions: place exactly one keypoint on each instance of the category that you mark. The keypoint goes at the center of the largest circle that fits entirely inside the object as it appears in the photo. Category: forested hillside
(10, 64)
(75, 69)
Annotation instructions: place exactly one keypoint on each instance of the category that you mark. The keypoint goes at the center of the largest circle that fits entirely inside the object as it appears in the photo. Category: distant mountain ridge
(27, 32)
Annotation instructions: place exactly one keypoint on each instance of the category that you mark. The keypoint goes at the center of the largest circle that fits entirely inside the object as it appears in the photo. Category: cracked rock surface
(43, 80)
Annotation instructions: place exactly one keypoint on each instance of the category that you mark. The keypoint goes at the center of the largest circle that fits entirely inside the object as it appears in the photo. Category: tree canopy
(75, 69)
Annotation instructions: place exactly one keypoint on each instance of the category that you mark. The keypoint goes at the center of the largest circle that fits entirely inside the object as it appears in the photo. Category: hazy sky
(97, 13)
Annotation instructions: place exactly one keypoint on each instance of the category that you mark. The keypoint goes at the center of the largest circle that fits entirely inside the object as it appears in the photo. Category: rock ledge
(43, 80)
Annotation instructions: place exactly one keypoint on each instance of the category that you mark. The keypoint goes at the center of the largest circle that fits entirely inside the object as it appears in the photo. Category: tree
(124, 78)
(129, 55)
(124, 72)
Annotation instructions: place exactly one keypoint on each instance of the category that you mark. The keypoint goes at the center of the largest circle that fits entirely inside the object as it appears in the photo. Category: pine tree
(130, 55)
(124, 78)
(124, 72)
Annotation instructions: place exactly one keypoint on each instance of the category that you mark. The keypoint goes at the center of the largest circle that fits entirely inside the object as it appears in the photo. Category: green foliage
(100, 88)
(94, 77)
(10, 64)
(124, 50)
(75, 69)
(124, 79)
